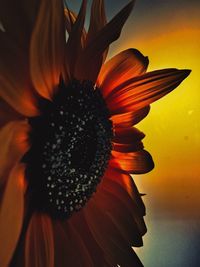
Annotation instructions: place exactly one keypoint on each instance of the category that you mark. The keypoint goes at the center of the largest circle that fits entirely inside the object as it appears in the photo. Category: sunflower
(68, 141)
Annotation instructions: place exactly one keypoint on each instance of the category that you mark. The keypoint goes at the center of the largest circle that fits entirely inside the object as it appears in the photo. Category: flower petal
(122, 67)
(14, 143)
(47, 47)
(15, 86)
(115, 247)
(131, 118)
(128, 208)
(97, 19)
(90, 60)
(11, 214)
(39, 243)
(145, 89)
(70, 19)
(96, 253)
(73, 47)
(127, 139)
(126, 182)
(18, 20)
(69, 247)
(136, 162)
(7, 114)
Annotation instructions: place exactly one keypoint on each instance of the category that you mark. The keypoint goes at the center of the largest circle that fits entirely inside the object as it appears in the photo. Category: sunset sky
(168, 32)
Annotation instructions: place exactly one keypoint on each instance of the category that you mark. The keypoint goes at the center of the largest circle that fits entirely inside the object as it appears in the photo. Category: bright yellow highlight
(173, 126)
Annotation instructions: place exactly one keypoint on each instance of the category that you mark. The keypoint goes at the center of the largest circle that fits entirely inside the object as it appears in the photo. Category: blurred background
(168, 32)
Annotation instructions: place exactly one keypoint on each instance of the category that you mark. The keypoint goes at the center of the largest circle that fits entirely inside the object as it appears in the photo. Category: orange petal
(115, 247)
(97, 19)
(73, 47)
(69, 247)
(131, 118)
(97, 22)
(96, 253)
(11, 214)
(18, 21)
(15, 86)
(127, 139)
(143, 90)
(39, 243)
(70, 19)
(90, 60)
(14, 144)
(7, 113)
(122, 67)
(47, 47)
(128, 206)
(136, 162)
(121, 217)
(127, 183)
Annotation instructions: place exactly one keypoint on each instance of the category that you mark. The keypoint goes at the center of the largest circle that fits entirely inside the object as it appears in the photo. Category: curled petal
(39, 243)
(90, 61)
(127, 139)
(136, 162)
(129, 119)
(47, 47)
(122, 67)
(141, 91)
(11, 214)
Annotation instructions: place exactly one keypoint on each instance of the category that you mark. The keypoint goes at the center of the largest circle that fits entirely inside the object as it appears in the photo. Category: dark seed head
(71, 146)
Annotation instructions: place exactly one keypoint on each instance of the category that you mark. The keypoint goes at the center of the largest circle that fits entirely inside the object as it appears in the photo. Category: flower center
(71, 146)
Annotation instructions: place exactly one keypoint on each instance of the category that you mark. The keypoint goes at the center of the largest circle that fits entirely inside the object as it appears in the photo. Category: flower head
(68, 141)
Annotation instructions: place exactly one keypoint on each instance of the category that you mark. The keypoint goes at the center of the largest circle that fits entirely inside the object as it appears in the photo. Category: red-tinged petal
(15, 87)
(127, 135)
(129, 206)
(131, 118)
(145, 89)
(69, 248)
(126, 148)
(127, 184)
(11, 214)
(79, 245)
(136, 162)
(97, 22)
(127, 139)
(39, 242)
(97, 19)
(14, 144)
(122, 67)
(7, 113)
(121, 218)
(90, 60)
(96, 253)
(70, 19)
(47, 47)
(18, 18)
(74, 47)
(115, 247)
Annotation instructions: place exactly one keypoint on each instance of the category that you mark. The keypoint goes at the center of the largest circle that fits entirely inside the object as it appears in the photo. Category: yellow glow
(173, 126)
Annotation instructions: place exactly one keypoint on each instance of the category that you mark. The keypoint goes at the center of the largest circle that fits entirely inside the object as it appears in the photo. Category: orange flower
(67, 131)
